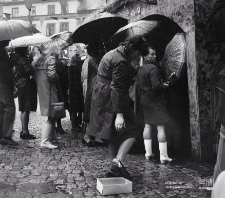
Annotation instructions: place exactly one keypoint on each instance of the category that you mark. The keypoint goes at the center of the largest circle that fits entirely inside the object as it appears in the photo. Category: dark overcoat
(111, 95)
(26, 86)
(76, 99)
(152, 94)
(151, 89)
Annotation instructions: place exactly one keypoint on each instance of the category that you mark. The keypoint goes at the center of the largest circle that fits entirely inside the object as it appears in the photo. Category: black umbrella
(98, 28)
(142, 27)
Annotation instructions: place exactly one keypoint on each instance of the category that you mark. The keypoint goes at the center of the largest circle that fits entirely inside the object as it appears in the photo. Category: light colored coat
(46, 80)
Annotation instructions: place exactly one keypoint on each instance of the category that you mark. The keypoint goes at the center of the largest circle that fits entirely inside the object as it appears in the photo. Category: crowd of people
(94, 88)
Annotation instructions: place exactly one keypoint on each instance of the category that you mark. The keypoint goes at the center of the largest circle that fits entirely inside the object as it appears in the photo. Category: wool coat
(111, 95)
(76, 99)
(151, 89)
(152, 94)
(46, 80)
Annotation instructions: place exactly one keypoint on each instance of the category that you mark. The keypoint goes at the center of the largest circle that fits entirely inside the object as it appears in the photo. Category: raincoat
(46, 80)
(111, 95)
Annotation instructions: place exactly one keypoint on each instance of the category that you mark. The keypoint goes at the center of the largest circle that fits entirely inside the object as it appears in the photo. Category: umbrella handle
(173, 73)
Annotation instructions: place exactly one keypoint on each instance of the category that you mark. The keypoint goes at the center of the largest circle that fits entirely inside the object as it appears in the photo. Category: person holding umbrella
(112, 116)
(7, 114)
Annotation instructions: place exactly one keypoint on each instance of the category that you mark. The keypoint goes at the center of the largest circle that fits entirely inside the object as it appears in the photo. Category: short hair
(139, 43)
(4, 43)
(92, 49)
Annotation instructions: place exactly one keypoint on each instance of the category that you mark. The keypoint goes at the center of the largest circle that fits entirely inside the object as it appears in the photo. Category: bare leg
(25, 121)
(147, 135)
(161, 133)
(125, 148)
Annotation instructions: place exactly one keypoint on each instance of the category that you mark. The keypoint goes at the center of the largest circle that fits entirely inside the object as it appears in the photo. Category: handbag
(57, 110)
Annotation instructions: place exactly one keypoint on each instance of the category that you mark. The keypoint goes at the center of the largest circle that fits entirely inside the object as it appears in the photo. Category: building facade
(47, 15)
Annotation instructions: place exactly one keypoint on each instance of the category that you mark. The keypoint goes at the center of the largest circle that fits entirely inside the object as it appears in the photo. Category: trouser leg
(7, 99)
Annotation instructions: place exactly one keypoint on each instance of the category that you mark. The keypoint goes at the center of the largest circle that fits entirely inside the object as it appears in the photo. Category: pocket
(102, 96)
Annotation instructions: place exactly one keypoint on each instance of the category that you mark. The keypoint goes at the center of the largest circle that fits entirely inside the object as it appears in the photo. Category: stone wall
(207, 55)
(182, 13)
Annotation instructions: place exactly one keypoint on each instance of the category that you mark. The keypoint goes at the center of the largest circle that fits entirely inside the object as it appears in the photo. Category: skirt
(27, 97)
(156, 115)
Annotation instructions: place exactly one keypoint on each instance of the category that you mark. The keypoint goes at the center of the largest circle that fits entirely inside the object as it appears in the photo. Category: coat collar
(149, 62)
(122, 51)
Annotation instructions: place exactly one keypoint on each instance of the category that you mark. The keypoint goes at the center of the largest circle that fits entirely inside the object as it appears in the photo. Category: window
(15, 12)
(51, 9)
(64, 27)
(66, 10)
(33, 11)
(50, 30)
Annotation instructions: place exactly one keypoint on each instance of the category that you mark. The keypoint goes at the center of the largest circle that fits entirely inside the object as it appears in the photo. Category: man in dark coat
(76, 99)
(6, 97)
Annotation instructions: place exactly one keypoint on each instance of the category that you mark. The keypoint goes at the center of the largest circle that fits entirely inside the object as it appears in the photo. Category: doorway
(178, 128)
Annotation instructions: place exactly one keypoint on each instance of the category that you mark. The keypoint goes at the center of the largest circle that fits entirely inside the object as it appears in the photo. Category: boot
(163, 153)
(148, 149)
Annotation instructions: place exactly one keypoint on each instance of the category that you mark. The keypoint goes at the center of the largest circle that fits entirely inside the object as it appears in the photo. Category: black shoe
(124, 173)
(8, 141)
(27, 136)
(78, 128)
(114, 172)
(60, 130)
(89, 144)
(117, 171)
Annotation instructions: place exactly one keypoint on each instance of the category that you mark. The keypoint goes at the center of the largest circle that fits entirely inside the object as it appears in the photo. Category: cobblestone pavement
(71, 170)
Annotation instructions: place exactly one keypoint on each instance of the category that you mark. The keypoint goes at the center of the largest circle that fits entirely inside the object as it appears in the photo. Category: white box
(113, 185)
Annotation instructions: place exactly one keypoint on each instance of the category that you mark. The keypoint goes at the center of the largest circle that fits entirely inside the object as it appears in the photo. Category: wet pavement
(71, 170)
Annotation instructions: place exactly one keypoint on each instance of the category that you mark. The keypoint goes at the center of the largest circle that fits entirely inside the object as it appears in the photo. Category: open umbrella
(174, 57)
(163, 34)
(11, 29)
(62, 40)
(142, 27)
(98, 28)
(33, 40)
